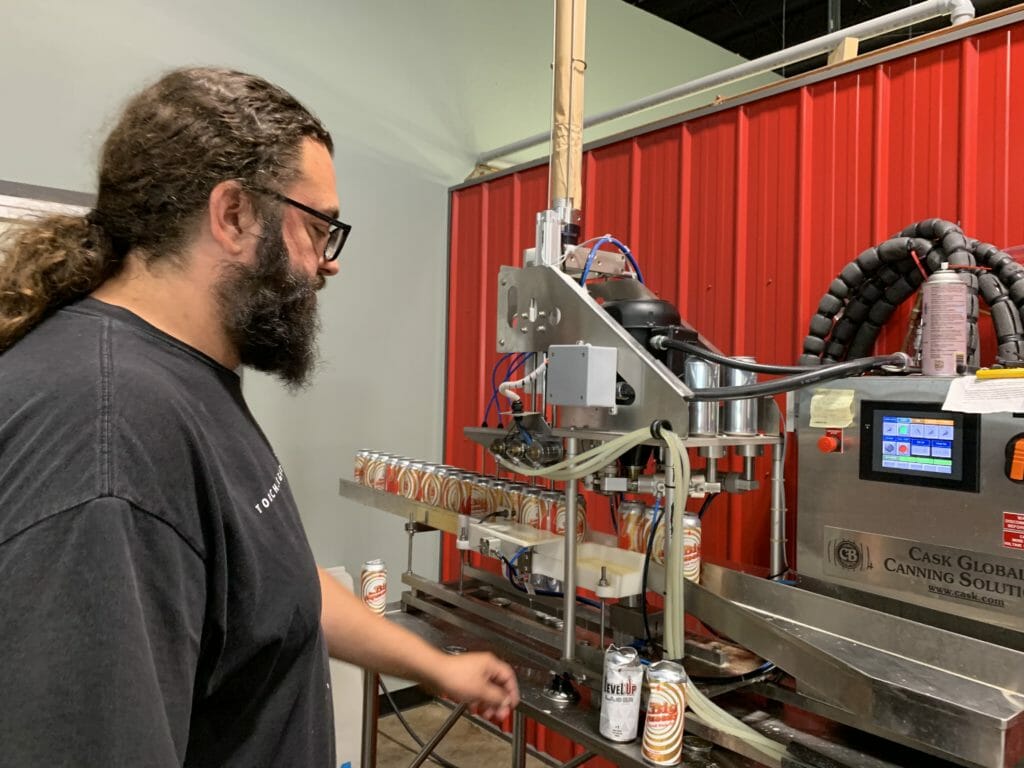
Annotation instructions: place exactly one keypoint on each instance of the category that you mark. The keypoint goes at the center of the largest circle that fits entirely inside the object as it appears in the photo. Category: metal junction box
(899, 498)
(581, 375)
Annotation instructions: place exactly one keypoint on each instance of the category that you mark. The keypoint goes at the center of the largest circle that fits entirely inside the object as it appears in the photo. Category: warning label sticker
(1013, 530)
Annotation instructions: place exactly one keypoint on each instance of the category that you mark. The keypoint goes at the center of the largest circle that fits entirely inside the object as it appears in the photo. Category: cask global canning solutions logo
(849, 555)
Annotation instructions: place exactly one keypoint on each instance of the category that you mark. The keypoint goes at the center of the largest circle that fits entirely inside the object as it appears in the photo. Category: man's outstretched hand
(481, 680)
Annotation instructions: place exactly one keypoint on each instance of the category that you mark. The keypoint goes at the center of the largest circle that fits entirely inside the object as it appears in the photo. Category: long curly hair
(175, 141)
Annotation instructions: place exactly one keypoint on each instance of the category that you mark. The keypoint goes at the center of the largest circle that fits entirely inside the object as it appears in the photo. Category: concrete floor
(466, 745)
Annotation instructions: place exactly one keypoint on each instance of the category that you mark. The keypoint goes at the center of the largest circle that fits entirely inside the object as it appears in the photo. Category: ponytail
(46, 265)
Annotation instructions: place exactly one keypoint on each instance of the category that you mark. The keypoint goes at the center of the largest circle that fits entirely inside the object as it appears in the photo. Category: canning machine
(897, 636)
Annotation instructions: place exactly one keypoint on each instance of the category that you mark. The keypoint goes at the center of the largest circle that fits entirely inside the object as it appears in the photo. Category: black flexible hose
(797, 381)
(868, 290)
(706, 505)
(647, 567)
(744, 365)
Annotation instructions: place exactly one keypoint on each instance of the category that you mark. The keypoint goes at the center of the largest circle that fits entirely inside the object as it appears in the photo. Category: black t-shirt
(159, 603)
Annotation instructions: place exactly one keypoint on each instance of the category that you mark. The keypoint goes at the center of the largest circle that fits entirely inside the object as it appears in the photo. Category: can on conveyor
(359, 466)
(620, 693)
(663, 729)
(691, 547)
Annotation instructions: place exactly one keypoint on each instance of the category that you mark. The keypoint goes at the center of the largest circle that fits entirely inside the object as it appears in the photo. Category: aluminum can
(469, 481)
(410, 479)
(663, 729)
(516, 492)
(374, 585)
(480, 496)
(500, 501)
(392, 467)
(557, 519)
(700, 374)
(452, 491)
(945, 299)
(620, 693)
(376, 473)
(433, 481)
(630, 524)
(532, 509)
(658, 545)
(359, 466)
(691, 547)
(739, 417)
(371, 458)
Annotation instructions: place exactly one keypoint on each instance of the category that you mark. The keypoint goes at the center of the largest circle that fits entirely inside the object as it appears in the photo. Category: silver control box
(581, 375)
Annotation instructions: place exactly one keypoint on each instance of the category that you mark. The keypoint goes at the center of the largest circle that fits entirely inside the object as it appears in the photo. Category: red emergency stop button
(829, 444)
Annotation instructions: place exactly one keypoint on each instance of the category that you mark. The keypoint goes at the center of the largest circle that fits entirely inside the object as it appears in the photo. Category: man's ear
(232, 217)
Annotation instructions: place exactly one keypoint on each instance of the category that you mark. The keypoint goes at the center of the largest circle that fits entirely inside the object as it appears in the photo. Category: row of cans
(661, 692)
(466, 493)
(635, 521)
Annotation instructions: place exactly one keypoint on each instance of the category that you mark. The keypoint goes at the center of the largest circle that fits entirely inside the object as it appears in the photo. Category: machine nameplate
(937, 572)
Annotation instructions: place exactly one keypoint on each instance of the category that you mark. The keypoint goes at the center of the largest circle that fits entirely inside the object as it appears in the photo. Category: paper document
(832, 408)
(970, 395)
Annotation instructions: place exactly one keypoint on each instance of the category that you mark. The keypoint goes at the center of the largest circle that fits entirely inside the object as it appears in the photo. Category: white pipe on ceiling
(959, 12)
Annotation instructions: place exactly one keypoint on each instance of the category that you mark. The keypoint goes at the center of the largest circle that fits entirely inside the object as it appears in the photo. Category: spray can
(374, 584)
(620, 693)
(944, 302)
(663, 729)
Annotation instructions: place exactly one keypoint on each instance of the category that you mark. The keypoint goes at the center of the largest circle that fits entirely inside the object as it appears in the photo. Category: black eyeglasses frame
(331, 252)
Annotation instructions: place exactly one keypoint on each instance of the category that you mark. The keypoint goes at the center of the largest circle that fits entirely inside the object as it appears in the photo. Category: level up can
(663, 729)
(374, 585)
(620, 693)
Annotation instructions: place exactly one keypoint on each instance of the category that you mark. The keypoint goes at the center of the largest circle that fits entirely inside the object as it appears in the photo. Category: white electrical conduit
(508, 388)
(959, 11)
(571, 470)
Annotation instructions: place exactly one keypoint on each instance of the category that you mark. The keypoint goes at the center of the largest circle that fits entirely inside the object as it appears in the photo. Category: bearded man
(160, 603)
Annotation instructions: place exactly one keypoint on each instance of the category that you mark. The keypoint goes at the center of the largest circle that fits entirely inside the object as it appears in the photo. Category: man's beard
(270, 311)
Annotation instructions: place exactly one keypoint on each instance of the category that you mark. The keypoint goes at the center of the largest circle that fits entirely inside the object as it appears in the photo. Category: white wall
(412, 90)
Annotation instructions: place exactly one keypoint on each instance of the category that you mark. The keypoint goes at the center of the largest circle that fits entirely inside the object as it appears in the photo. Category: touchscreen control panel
(919, 444)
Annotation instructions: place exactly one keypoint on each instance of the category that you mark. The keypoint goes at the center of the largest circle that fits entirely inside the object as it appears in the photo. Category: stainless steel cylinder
(700, 374)
(740, 416)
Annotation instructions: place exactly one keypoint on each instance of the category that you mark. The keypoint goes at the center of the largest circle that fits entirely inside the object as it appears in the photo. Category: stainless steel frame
(540, 306)
(891, 523)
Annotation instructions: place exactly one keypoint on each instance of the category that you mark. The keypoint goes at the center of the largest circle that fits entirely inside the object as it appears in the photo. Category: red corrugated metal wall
(744, 216)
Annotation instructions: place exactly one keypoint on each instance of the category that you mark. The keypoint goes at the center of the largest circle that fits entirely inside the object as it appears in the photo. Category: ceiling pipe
(959, 11)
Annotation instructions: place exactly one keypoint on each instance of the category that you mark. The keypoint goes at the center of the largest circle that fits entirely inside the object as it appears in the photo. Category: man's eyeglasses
(337, 232)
